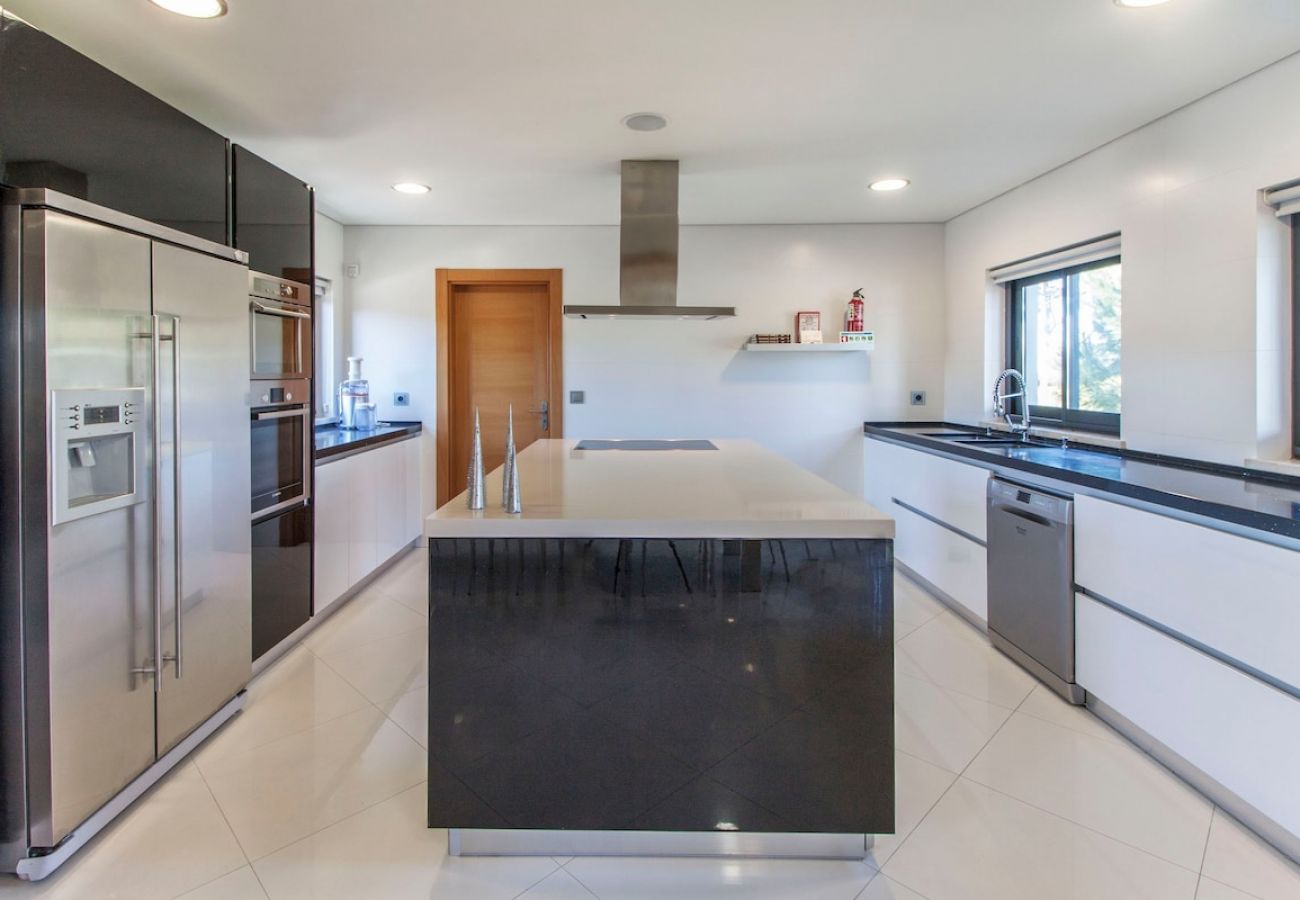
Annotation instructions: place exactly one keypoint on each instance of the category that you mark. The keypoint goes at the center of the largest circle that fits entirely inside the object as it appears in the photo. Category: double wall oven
(281, 442)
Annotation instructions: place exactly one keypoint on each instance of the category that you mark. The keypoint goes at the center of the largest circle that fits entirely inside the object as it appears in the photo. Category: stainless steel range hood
(648, 250)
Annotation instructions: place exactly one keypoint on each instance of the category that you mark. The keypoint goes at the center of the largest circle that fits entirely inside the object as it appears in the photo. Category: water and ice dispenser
(97, 458)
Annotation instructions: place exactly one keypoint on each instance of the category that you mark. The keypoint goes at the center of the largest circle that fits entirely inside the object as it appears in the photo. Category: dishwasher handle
(1026, 516)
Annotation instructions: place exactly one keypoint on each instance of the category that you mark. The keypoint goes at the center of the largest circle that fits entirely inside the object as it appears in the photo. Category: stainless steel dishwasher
(1031, 581)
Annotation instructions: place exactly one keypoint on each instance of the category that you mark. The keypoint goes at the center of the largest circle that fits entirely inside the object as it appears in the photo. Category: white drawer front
(1239, 596)
(1238, 730)
(950, 562)
(951, 491)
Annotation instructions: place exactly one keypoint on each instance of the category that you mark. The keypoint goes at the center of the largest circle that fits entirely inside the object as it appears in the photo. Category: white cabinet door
(390, 489)
(954, 564)
(363, 516)
(953, 492)
(954, 561)
(1238, 730)
(331, 510)
(413, 500)
(1239, 596)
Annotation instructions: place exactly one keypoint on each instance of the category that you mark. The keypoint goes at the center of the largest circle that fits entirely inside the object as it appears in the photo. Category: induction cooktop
(645, 445)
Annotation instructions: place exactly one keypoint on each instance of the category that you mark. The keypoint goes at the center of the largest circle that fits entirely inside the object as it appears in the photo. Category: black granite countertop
(334, 441)
(1244, 497)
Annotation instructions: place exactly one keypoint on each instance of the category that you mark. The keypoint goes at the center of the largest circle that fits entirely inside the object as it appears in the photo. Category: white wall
(1206, 275)
(675, 378)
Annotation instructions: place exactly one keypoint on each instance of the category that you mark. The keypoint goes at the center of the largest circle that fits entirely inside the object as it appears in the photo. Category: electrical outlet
(918, 398)
(577, 397)
(401, 398)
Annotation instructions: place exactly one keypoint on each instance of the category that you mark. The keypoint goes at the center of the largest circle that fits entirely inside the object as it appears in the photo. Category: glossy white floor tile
(1209, 889)
(704, 879)
(1112, 788)
(369, 616)
(240, 884)
(280, 792)
(918, 785)
(978, 843)
(952, 654)
(297, 693)
(882, 887)
(1043, 704)
(940, 726)
(1238, 858)
(175, 840)
(407, 582)
(913, 607)
(559, 885)
(387, 852)
(411, 713)
(386, 667)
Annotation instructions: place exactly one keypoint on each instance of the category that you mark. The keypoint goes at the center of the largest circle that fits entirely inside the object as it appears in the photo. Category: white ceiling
(781, 110)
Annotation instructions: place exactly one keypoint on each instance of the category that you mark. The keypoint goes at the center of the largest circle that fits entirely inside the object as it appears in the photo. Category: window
(323, 352)
(1064, 337)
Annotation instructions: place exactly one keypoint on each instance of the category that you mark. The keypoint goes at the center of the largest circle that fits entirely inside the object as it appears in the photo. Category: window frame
(1294, 221)
(1064, 416)
(324, 341)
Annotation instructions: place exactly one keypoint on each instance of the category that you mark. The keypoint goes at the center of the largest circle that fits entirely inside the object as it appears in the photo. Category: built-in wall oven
(281, 445)
(280, 320)
(281, 422)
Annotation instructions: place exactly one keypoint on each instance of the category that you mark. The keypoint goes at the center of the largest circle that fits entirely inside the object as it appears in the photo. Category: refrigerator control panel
(96, 455)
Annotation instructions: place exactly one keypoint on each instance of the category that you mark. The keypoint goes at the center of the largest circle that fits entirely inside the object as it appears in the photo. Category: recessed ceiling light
(645, 121)
(411, 187)
(1137, 4)
(889, 184)
(195, 9)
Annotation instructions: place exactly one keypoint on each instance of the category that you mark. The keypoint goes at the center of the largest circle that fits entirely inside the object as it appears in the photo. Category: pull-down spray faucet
(1000, 403)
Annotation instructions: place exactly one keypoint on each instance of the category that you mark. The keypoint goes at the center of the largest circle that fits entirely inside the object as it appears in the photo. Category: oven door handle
(258, 306)
(278, 414)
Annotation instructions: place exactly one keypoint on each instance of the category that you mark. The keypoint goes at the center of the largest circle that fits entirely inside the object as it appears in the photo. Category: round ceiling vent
(645, 121)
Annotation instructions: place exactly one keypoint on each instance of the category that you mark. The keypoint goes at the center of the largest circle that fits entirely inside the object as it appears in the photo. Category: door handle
(277, 311)
(545, 412)
(176, 482)
(155, 339)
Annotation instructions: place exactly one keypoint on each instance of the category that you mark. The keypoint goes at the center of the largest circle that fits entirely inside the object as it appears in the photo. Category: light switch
(577, 397)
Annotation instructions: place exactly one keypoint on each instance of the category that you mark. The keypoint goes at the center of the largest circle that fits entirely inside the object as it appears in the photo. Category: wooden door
(499, 335)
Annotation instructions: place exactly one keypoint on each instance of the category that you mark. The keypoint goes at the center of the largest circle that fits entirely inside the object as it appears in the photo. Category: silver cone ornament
(476, 487)
(510, 499)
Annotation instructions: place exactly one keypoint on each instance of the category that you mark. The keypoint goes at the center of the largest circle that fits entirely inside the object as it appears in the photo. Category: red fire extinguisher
(855, 318)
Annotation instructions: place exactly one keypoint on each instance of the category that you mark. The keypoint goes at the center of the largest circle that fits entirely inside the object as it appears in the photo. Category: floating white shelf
(810, 348)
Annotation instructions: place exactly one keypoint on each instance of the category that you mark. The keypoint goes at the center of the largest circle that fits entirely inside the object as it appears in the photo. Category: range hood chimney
(648, 249)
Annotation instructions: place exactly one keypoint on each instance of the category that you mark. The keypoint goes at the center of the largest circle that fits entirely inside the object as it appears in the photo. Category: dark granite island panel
(651, 686)
(677, 685)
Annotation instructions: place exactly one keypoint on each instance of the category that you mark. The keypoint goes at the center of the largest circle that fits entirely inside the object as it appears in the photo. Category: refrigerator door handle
(176, 483)
(155, 340)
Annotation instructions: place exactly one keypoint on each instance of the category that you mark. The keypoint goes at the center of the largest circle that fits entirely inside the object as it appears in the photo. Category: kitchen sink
(990, 440)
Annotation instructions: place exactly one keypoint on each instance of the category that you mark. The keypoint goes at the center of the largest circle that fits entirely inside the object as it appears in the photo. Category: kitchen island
(669, 651)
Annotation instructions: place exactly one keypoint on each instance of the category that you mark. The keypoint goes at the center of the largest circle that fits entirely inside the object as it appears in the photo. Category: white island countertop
(739, 490)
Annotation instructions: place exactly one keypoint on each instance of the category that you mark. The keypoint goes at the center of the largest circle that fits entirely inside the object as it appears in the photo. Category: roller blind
(1088, 251)
(1285, 199)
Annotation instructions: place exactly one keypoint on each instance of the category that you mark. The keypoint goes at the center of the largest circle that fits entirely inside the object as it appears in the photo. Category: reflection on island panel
(674, 685)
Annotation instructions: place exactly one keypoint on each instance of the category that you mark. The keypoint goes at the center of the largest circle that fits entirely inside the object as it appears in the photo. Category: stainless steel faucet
(1000, 403)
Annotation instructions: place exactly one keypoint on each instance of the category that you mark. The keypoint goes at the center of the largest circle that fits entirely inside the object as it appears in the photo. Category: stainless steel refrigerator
(124, 485)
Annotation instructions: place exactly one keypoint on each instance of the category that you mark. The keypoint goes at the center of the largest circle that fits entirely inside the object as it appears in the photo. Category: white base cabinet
(1238, 730)
(937, 490)
(1194, 642)
(367, 510)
